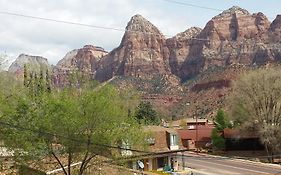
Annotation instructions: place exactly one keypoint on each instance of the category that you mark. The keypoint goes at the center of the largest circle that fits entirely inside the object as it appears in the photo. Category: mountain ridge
(230, 43)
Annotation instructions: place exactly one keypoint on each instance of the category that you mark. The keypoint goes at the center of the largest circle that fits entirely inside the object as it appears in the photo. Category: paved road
(209, 165)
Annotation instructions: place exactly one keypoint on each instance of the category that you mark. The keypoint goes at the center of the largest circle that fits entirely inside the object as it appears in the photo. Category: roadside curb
(237, 159)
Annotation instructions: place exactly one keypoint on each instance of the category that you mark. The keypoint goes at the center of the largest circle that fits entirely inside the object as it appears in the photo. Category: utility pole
(196, 120)
(196, 142)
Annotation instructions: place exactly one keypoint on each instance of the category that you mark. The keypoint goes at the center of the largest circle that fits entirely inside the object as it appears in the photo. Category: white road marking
(245, 169)
(207, 171)
(258, 164)
(203, 172)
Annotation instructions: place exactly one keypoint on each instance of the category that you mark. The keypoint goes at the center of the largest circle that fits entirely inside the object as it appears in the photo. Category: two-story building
(165, 148)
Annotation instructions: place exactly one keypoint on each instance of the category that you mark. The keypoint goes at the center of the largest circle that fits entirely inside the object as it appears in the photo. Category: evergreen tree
(48, 81)
(146, 114)
(25, 76)
(217, 140)
(221, 120)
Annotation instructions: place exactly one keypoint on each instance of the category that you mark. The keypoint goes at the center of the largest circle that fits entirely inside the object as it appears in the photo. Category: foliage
(217, 140)
(183, 123)
(146, 114)
(71, 124)
(222, 121)
(256, 103)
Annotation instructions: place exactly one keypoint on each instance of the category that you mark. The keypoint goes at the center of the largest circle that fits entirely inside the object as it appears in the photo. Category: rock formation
(230, 42)
(33, 63)
(274, 39)
(233, 37)
(179, 47)
(142, 53)
(275, 30)
(85, 60)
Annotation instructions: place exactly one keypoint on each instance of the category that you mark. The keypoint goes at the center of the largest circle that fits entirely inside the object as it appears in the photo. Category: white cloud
(54, 40)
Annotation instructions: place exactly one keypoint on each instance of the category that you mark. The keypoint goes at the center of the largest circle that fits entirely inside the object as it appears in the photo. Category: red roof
(236, 133)
(204, 133)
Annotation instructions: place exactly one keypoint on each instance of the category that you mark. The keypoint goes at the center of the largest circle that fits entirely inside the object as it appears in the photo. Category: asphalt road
(209, 165)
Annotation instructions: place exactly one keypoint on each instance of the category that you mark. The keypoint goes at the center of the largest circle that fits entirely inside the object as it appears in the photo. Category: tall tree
(221, 122)
(218, 141)
(256, 104)
(146, 114)
(78, 124)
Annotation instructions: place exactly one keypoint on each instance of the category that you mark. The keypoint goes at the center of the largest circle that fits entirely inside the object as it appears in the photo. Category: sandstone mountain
(142, 53)
(33, 63)
(181, 47)
(188, 74)
(234, 37)
(84, 60)
(207, 59)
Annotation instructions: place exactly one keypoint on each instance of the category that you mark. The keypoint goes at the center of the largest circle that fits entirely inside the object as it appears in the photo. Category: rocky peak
(276, 24)
(140, 24)
(180, 49)
(235, 24)
(189, 33)
(66, 61)
(275, 30)
(235, 10)
(94, 49)
(35, 63)
(142, 53)
(232, 37)
(84, 59)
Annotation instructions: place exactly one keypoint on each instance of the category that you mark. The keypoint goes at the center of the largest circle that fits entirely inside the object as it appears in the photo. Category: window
(174, 140)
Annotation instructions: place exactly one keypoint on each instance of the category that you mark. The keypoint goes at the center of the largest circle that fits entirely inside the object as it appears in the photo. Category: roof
(190, 121)
(159, 133)
(204, 133)
(239, 134)
(158, 129)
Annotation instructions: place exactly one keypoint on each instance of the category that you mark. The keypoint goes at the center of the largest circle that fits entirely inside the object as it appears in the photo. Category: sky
(53, 40)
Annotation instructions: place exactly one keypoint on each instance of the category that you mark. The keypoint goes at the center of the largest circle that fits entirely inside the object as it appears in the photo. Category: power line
(86, 25)
(193, 5)
(147, 154)
(71, 139)
(60, 21)
(201, 7)
(71, 23)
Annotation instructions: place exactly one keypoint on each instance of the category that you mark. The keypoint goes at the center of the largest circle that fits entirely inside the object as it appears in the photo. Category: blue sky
(53, 40)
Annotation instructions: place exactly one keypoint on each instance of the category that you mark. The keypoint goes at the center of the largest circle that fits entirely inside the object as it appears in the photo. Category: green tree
(146, 114)
(217, 140)
(71, 124)
(256, 104)
(221, 121)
